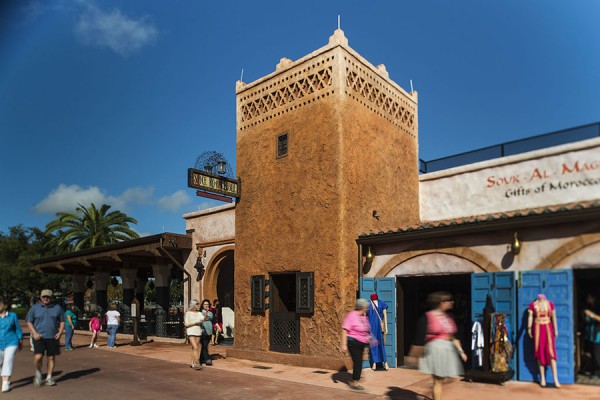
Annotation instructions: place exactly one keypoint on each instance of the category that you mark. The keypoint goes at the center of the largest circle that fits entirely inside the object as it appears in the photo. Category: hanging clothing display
(501, 349)
(543, 331)
(477, 343)
(376, 320)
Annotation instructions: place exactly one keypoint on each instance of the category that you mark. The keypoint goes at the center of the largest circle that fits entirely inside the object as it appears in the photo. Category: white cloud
(67, 197)
(175, 201)
(114, 30)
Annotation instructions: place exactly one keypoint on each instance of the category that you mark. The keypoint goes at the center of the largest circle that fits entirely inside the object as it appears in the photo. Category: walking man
(46, 323)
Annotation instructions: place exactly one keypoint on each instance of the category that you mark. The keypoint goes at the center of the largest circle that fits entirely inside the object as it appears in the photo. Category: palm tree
(89, 227)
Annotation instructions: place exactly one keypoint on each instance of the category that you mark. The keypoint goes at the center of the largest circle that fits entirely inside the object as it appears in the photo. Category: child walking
(95, 327)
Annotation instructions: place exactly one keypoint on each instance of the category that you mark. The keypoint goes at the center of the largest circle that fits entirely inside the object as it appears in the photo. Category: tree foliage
(18, 249)
(89, 227)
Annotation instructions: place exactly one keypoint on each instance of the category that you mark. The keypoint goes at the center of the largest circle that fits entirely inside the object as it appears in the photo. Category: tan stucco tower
(326, 149)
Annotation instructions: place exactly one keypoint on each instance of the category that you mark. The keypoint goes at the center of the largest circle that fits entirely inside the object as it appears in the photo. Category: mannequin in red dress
(542, 328)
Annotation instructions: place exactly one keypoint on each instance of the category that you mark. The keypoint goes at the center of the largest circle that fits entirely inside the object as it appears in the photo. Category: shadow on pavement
(342, 376)
(77, 374)
(397, 393)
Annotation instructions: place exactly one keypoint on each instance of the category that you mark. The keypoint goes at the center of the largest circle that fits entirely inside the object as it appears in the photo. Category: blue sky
(111, 101)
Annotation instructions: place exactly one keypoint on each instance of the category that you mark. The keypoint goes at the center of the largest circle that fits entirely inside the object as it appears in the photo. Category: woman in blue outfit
(378, 321)
(70, 324)
(10, 342)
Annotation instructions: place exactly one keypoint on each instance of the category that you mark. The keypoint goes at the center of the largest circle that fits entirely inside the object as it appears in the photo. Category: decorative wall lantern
(200, 268)
(515, 246)
(369, 256)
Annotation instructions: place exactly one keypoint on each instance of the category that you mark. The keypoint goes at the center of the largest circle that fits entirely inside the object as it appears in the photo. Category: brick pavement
(397, 383)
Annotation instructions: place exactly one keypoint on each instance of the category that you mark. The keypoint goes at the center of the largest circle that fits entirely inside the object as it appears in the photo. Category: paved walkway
(397, 383)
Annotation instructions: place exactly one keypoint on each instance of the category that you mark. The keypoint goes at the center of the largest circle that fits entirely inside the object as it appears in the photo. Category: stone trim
(209, 283)
(571, 247)
(466, 253)
(299, 360)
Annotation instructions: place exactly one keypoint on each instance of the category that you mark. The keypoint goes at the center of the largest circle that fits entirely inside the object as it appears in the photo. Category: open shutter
(257, 294)
(502, 290)
(558, 287)
(305, 293)
(386, 291)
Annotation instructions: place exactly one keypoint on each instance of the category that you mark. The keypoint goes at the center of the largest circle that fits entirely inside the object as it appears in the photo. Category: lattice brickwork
(368, 89)
(292, 90)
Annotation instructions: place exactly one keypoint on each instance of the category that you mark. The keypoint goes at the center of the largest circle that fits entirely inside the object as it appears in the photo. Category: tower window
(282, 145)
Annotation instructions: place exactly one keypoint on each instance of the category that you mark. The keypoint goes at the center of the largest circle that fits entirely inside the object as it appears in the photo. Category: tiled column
(139, 290)
(128, 276)
(79, 291)
(101, 290)
(162, 275)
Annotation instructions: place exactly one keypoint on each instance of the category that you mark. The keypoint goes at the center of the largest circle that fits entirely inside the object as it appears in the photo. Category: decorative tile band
(307, 85)
(366, 88)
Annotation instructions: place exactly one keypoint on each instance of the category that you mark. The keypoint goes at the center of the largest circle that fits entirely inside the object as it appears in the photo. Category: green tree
(89, 227)
(18, 249)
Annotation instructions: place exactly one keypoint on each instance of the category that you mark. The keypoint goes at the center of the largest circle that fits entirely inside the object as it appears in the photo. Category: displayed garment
(543, 331)
(375, 314)
(501, 350)
(477, 343)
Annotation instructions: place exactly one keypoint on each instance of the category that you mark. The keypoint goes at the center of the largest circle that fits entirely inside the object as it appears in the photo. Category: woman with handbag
(207, 331)
(193, 321)
(442, 349)
(355, 337)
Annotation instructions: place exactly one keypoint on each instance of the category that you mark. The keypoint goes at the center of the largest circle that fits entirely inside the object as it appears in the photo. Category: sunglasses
(45, 297)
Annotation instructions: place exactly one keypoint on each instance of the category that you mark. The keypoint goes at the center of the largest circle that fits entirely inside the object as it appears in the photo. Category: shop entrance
(284, 323)
(411, 299)
(586, 282)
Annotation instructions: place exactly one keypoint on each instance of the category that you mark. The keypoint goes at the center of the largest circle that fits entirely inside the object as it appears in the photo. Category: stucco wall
(555, 175)
(212, 230)
(352, 140)
(555, 246)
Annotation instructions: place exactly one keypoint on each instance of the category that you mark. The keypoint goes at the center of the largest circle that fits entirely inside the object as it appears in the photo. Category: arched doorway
(224, 281)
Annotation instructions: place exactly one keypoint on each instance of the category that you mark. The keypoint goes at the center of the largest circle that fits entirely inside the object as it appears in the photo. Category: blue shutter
(367, 286)
(501, 288)
(558, 287)
(386, 291)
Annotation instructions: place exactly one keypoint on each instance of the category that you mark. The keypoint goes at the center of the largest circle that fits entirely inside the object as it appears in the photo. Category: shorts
(46, 346)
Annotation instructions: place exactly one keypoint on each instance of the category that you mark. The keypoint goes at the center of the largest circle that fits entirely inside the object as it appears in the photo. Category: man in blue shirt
(46, 322)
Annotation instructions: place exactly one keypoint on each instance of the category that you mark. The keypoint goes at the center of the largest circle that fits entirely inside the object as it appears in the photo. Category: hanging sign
(210, 183)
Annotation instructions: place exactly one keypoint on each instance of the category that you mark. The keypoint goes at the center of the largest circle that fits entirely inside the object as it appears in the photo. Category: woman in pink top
(355, 336)
(442, 349)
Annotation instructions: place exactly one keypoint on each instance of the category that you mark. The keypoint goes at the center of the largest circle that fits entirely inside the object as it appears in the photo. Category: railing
(285, 332)
(511, 148)
(156, 322)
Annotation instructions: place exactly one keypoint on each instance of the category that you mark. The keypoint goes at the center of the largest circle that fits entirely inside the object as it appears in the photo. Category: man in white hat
(46, 322)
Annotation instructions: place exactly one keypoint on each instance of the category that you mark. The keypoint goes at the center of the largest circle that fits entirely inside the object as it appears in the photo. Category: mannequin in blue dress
(377, 316)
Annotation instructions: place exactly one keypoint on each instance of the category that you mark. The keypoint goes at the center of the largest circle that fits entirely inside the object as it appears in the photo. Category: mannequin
(377, 316)
(542, 328)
